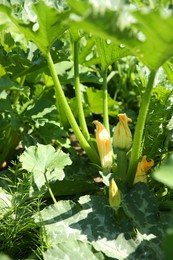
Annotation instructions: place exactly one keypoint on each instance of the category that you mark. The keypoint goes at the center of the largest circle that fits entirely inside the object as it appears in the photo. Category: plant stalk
(81, 115)
(105, 102)
(49, 189)
(138, 135)
(65, 106)
(122, 164)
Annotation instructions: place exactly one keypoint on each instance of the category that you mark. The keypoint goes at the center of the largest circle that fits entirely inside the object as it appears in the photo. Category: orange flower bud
(122, 138)
(142, 168)
(114, 195)
(103, 145)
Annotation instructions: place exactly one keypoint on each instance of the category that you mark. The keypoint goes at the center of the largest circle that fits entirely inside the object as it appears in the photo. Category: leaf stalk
(138, 135)
(81, 115)
(105, 102)
(60, 97)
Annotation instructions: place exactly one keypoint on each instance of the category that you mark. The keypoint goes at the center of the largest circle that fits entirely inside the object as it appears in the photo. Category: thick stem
(65, 106)
(105, 102)
(81, 115)
(136, 147)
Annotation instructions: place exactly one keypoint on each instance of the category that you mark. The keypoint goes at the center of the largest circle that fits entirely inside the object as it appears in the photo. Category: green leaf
(168, 66)
(40, 22)
(73, 248)
(148, 35)
(95, 101)
(164, 173)
(44, 159)
(92, 222)
(7, 84)
(79, 179)
(155, 47)
(140, 205)
(157, 141)
(109, 51)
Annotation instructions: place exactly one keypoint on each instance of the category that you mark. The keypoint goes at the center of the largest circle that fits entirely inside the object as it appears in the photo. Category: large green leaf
(72, 249)
(42, 22)
(148, 35)
(92, 222)
(156, 47)
(141, 206)
(44, 159)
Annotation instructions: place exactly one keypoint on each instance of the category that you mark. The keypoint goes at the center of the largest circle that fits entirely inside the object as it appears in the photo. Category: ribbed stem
(105, 102)
(65, 106)
(136, 147)
(81, 115)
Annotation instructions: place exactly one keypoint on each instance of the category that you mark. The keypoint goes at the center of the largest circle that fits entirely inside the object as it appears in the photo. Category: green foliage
(140, 31)
(45, 164)
(40, 22)
(109, 52)
(90, 226)
(158, 125)
(94, 99)
(19, 235)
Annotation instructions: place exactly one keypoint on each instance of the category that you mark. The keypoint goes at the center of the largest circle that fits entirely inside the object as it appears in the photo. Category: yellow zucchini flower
(104, 145)
(122, 138)
(114, 195)
(142, 168)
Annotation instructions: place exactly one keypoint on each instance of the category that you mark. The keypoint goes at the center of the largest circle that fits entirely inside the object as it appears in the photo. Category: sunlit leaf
(109, 51)
(148, 35)
(40, 22)
(92, 222)
(44, 159)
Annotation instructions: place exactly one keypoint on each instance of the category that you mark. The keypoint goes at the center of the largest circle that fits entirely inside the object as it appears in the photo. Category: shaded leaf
(95, 102)
(7, 84)
(140, 205)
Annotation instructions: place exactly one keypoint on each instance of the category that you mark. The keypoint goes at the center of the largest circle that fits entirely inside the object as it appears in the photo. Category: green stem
(105, 102)
(81, 115)
(136, 147)
(49, 189)
(122, 164)
(65, 106)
